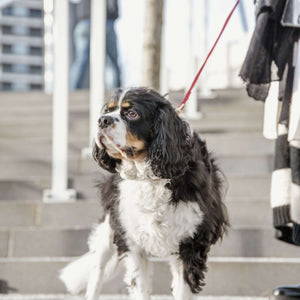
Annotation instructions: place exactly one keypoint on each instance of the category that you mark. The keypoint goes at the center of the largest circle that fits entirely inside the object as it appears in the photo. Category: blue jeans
(111, 64)
(79, 73)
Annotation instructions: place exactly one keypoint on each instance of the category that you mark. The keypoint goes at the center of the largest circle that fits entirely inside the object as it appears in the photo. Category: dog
(163, 199)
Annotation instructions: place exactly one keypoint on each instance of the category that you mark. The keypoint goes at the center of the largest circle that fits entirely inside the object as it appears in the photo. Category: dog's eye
(107, 110)
(132, 115)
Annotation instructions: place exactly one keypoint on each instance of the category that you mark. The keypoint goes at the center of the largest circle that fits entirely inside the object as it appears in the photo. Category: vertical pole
(164, 80)
(97, 68)
(48, 46)
(97, 63)
(152, 43)
(192, 105)
(59, 190)
(205, 91)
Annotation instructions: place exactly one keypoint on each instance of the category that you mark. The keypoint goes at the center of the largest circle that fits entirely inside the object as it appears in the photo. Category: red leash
(182, 104)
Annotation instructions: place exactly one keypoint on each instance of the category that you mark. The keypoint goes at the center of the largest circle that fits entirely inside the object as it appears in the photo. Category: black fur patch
(200, 183)
(110, 202)
(105, 161)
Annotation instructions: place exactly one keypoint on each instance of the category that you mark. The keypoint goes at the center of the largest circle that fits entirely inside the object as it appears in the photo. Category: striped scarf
(285, 184)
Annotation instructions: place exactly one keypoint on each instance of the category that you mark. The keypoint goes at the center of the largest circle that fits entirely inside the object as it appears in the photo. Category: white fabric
(282, 129)
(271, 112)
(295, 203)
(281, 187)
(294, 124)
(295, 144)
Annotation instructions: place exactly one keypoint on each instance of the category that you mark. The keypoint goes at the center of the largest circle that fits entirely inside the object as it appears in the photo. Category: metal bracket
(51, 196)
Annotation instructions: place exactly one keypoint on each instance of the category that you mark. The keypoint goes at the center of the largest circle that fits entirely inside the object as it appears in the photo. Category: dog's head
(138, 124)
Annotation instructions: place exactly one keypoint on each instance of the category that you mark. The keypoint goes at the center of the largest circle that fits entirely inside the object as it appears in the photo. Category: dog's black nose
(105, 121)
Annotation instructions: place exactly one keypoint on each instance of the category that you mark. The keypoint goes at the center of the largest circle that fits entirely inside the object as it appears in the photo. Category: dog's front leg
(180, 289)
(138, 276)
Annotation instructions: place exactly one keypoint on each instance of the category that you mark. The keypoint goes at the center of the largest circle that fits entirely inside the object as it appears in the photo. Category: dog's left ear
(170, 152)
(104, 160)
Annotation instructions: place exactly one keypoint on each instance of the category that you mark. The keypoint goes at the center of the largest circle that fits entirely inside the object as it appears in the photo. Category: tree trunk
(152, 43)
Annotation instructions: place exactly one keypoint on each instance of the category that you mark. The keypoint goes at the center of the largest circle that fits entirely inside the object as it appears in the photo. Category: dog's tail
(76, 274)
(102, 254)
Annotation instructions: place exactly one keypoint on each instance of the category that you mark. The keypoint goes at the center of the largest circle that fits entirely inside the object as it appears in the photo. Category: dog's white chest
(150, 221)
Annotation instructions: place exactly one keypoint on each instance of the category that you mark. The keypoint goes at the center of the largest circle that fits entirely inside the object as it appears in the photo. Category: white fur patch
(130, 169)
(96, 266)
(150, 221)
(76, 274)
(115, 136)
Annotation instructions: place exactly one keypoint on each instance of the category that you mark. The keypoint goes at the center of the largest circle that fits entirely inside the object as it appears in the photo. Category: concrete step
(246, 164)
(56, 242)
(240, 188)
(253, 242)
(34, 98)
(232, 165)
(117, 297)
(210, 126)
(240, 101)
(239, 144)
(41, 107)
(220, 144)
(250, 165)
(14, 149)
(58, 215)
(233, 93)
(79, 126)
(41, 112)
(249, 213)
(226, 276)
(249, 186)
(32, 187)
(37, 213)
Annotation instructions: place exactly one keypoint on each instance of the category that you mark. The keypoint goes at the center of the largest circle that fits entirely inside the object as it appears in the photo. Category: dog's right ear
(104, 160)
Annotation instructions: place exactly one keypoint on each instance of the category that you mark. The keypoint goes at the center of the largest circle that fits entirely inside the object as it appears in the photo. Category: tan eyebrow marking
(111, 105)
(125, 104)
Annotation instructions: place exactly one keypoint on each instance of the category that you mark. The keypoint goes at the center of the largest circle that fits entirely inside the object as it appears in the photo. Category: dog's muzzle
(105, 121)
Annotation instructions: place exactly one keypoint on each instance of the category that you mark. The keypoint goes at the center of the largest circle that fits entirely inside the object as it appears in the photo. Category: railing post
(48, 46)
(97, 67)
(59, 191)
(191, 108)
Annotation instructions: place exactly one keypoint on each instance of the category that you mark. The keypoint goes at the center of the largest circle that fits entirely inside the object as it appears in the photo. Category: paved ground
(117, 297)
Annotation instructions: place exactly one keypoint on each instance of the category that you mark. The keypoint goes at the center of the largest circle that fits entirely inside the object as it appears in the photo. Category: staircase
(38, 239)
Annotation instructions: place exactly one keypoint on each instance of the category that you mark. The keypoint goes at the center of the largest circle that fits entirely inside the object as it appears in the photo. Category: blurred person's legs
(112, 65)
(80, 68)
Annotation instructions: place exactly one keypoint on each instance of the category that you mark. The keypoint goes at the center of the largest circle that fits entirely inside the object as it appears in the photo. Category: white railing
(97, 67)
(60, 191)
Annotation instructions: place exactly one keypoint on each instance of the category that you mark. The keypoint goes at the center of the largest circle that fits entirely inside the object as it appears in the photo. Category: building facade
(22, 46)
